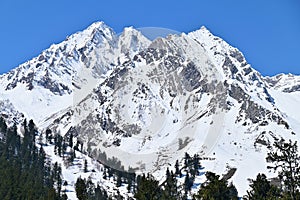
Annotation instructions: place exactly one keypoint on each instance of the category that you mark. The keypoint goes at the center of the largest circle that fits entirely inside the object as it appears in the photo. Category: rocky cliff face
(148, 102)
(68, 71)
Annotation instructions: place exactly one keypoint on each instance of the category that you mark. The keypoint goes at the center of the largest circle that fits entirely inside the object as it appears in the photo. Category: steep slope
(285, 89)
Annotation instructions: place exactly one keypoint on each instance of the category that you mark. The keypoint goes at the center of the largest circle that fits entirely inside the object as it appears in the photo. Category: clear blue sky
(266, 31)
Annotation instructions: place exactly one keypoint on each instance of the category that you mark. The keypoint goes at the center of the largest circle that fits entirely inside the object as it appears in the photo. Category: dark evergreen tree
(100, 194)
(85, 166)
(81, 189)
(177, 170)
(58, 144)
(71, 140)
(216, 188)
(147, 188)
(170, 191)
(57, 176)
(64, 196)
(188, 182)
(71, 156)
(196, 165)
(86, 190)
(76, 146)
(119, 179)
(261, 189)
(285, 159)
(3, 125)
(168, 174)
(110, 172)
(187, 159)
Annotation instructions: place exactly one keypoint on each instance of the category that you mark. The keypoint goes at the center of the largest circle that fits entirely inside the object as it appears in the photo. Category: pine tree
(71, 140)
(3, 125)
(58, 144)
(262, 189)
(187, 158)
(285, 161)
(100, 193)
(81, 189)
(168, 173)
(64, 196)
(85, 166)
(177, 170)
(72, 156)
(170, 191)
(57, 176)
(147, 188)
(216, 188)
(188, 182)
(196, 165)
(119, 179)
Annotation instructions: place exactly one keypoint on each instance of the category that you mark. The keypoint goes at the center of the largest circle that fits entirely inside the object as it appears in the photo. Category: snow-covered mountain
(146, 102)
(66, 71)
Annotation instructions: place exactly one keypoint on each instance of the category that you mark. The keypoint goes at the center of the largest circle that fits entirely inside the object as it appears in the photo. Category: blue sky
(267, 32)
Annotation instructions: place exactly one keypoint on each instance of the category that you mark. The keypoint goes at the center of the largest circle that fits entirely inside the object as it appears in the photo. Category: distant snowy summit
(147, 102)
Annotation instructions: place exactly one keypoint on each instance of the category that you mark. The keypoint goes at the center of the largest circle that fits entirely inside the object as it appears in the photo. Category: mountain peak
(98, 24)
(131, 31)
(202, 30)
(132, 40)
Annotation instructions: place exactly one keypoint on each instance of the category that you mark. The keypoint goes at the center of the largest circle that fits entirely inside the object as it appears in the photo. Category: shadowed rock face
(294, 88)
(191, 77)
(237, 55)
(10, 114)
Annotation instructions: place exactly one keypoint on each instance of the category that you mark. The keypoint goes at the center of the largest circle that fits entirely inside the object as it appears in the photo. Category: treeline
(25, 172)
(63, 146)
(86, 190)
(283, 158)
(170, 188)
(145, 187)
(173, 189)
